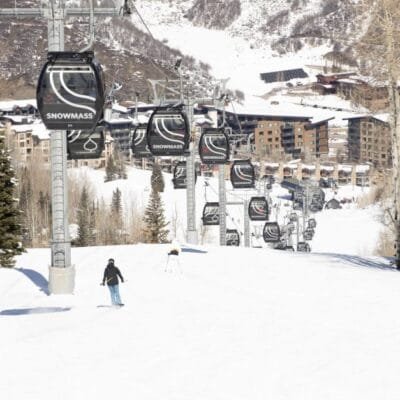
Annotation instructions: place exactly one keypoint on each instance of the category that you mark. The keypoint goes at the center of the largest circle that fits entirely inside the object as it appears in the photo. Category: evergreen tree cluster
(155, 231)
(86, 220)
(99, 224)
(10, 227)
(115, 167)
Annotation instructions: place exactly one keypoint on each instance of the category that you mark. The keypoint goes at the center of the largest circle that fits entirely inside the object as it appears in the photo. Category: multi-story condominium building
(298, 137)
(369, 140)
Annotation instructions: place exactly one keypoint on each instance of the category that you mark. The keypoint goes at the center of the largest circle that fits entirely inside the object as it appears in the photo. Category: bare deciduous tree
(380, 49)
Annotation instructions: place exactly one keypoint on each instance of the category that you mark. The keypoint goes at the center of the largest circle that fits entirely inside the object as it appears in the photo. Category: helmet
(111, 261)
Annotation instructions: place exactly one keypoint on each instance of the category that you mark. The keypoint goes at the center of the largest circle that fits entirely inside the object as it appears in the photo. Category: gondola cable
(151, 36)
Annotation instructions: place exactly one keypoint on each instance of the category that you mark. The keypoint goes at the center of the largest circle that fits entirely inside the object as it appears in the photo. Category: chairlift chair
(70, 91)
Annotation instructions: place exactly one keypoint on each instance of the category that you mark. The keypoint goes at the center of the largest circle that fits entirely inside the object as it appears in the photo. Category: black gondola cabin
(85, 144)
(271, 232)
(242, 174)
(214, 147)
(139, 146)
(258, 209)
(168, 133)
(179, 179)
(70, 91)
(232, 237)
(211, 214)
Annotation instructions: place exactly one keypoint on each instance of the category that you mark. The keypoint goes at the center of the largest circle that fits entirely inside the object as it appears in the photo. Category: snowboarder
(174, 252)
(111, 274)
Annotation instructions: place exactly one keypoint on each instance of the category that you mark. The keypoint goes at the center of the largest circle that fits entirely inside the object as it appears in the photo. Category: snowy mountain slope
(234, 324)
(262, 33)
(350, 230)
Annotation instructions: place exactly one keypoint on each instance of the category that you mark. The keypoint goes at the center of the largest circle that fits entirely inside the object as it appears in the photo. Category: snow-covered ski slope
(233, 324)
(350, 230)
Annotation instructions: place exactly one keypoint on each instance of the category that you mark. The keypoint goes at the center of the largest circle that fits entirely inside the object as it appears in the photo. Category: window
(261, 133)
(270, 140)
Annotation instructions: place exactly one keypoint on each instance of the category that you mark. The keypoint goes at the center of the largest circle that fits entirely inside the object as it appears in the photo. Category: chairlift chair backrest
(242, 174)
(139, 146)
(271, 232)
(85, 144)
(70, 91)
(211, 214)
(232, 237)
(258, 209)
(214, 146)
(168, 133)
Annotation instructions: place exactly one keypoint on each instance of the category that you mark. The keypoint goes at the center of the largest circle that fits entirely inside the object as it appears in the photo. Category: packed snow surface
(229, 323)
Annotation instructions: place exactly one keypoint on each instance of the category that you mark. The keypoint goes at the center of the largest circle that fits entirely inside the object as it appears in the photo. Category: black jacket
(111, 274)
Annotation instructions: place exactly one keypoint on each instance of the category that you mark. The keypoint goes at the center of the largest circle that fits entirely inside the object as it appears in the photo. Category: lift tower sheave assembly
(61, 272)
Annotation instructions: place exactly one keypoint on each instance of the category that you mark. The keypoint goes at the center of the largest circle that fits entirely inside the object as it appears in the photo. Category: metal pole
(61, 273)
(222, 204)
(246, 224)
(191, 233)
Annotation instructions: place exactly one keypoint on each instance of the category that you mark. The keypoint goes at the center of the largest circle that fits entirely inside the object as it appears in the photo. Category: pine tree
(116, 216)
(154, 219)
(157, 180)
(110, 169)
(10, 228)
(85, 233)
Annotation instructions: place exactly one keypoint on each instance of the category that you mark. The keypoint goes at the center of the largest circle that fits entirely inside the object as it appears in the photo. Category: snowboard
(110, 306)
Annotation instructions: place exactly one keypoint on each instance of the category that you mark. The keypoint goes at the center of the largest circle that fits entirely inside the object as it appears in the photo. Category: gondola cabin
(271, 232)
(139, 146)
(214, 146)
(242, 174)
(85, 144)
(290, 228)
(308, 234)
(70, 91)
(232, 237)
(258, 209)
(312, 223)
(168, 133)
(303, 247)
(293, 217)
(179, 179)
(211, 214)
